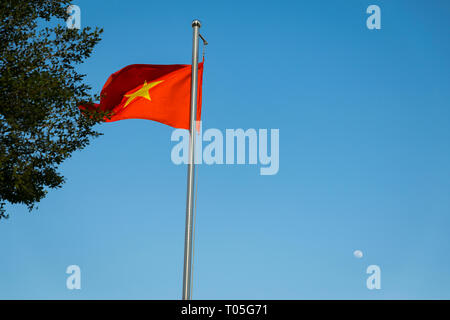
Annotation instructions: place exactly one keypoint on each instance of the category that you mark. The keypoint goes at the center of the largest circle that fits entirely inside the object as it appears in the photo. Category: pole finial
(196, 23)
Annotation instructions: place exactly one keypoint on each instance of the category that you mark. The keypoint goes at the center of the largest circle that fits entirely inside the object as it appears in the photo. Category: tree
(40, 124)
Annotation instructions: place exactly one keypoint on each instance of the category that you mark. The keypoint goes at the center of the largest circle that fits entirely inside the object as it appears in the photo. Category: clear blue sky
(364, 125)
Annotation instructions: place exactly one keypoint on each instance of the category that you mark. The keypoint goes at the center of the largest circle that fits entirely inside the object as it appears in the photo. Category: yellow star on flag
(142, 92)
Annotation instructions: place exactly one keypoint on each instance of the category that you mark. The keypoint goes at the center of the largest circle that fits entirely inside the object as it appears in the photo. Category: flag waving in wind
(154, 92)
(170, 94)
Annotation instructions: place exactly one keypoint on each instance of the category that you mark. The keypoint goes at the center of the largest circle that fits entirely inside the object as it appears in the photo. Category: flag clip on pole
(187, 270)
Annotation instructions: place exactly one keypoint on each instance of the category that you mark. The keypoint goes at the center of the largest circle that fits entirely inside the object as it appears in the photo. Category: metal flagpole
(187, 270)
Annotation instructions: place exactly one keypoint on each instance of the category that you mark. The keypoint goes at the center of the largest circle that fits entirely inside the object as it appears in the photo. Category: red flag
(154, 92)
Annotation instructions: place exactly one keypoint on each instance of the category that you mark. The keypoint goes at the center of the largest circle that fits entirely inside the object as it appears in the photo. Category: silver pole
(187, 270)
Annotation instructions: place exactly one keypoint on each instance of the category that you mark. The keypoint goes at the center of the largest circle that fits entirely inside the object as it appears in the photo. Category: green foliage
(40, 124)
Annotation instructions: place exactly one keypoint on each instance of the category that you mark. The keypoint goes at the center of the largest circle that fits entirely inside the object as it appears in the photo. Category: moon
(358, 254)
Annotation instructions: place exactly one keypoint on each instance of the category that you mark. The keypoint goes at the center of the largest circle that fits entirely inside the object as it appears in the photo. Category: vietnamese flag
(154, 92)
